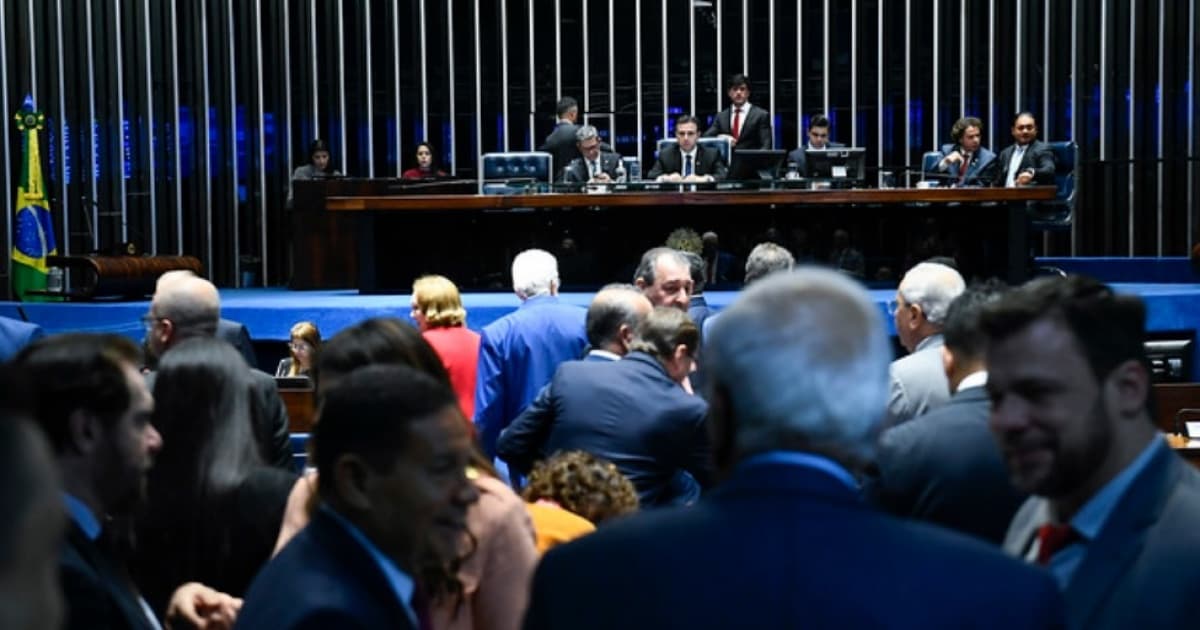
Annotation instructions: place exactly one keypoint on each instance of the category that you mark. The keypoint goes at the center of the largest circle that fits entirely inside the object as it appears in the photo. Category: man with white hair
(784, 540)
(185, 306)
(519, 352)
(918, 380)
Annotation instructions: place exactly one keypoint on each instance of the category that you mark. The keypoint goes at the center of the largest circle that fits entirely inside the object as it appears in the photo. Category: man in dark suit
(818, 138)
(1115, 514)
(967, 162)
(686, 160)
(92, 404)
(612, 318)
(237, 335)
(747, 126)
(944, 467)
(16, 334)
(394, 496)
(186, 305)
(784, 540)
(634, 413)
(561, 142)
(1028, 161)
(594, 165)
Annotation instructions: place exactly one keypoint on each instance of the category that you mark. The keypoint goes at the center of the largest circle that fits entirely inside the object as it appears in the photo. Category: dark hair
(646, 266)
(433, 156)
(1021, 113)
(961, 329)
(565, 104)
(202, 409)
(584, 484)
(663, 330)
(696, 267)
(818, 120)
(74, 371)
(377, 340)
(687, 118)
(737, 80)
(605, 316)
(317, 145)
(1109, 328)
(962, 124)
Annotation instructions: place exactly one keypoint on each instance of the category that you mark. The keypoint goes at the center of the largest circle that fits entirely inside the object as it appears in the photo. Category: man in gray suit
(594, 165)
(1116, 516)
(918, 381)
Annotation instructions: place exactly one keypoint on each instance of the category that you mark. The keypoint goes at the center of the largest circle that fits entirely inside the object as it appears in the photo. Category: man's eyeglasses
(148, 321)
(893, 305)
(300, 346)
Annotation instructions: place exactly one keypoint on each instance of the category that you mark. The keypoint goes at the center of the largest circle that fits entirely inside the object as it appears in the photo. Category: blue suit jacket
(628, 412)
(518, 354)
(1143, 569)
(980, 172)
(95, 590)
(16, 334)
(323, 578)
(797, 156)
(944, 467)
(783, 546)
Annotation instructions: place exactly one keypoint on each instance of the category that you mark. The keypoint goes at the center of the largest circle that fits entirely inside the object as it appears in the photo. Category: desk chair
(511, 173)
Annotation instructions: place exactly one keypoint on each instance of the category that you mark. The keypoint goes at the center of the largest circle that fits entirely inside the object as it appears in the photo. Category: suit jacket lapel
(119, 589)
(1122, 537)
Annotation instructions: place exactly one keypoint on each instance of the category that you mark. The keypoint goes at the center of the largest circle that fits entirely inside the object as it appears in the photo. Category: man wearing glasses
(918, 381)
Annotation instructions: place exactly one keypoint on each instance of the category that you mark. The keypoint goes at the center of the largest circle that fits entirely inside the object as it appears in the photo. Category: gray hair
(586, 132)
(534, 272)
(804, 357)
(190, 302)
(765, 258)
(932, 286)
(649, 262)
(613, 306)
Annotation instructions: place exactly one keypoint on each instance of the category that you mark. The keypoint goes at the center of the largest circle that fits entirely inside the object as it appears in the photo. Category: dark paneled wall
(174, 124)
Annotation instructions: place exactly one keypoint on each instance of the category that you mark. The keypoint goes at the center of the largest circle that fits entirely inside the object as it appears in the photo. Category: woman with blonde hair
(438, 312)
(305, 341)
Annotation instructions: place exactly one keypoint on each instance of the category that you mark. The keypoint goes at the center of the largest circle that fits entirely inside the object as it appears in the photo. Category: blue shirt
(805, 460)
(1090, 519)
(402, 585)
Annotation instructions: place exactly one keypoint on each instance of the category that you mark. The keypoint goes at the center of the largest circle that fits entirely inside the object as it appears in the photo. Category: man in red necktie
(747, 126)
(967, 162)
(1116, 514)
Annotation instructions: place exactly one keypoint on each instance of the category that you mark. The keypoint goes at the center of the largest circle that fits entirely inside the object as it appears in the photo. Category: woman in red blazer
(438, 312)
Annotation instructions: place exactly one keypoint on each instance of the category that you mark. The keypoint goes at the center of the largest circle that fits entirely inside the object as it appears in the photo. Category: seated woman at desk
(302, 349)
(318, 166)
(425, 168)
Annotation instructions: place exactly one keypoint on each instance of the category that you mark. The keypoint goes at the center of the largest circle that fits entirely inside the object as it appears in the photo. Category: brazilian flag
(34, 238)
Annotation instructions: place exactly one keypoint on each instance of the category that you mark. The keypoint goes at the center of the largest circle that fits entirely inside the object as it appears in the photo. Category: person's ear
(166, 329)
(947, 362)
(351, 478)
(625, 335)
(918, 316)
(640, 283)
(84, 431)
(1127, 386)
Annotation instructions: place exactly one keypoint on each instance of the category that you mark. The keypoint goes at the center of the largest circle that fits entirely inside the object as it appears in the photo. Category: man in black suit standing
(747, 126)
(818, 138)
(393, 467)
(561, 142)
(92, 404)
(594, 164)
(784, 540)
(1028, 161)
(944, 467)
(686, 160)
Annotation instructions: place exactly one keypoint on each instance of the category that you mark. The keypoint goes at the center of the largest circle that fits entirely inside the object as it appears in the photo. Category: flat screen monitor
(756, 164)
(847, 163)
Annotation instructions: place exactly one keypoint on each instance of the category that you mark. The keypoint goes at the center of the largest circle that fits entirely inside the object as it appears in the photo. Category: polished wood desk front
(862, 196)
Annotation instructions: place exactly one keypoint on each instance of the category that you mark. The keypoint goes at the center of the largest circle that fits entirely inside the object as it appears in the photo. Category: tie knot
(1052, 538)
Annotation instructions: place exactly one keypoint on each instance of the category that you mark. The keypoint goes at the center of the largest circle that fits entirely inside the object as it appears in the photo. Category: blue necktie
(687, 165)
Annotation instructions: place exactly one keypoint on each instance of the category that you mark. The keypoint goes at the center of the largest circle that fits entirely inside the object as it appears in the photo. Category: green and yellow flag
(34, 238)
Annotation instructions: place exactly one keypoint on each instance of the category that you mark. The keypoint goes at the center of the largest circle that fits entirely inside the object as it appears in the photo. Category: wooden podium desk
(1000, 205)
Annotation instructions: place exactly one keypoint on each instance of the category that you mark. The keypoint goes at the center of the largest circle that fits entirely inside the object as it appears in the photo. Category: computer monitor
(756, 164)
(844, 163)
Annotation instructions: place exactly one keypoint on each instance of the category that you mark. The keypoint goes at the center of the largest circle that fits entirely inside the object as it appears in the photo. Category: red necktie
(737, 115)
(962, 168)
(1052, 538)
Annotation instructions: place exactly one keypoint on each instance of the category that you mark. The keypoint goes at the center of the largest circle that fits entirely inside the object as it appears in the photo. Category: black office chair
(1057, 215)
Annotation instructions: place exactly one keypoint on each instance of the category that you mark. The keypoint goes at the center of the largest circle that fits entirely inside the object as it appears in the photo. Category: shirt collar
(805, 460)
(691, 153)
(1090, 519)
(974, 379)
(611, 356)
(929, 342)
(745, 109)
(83, 516)
(400, 582)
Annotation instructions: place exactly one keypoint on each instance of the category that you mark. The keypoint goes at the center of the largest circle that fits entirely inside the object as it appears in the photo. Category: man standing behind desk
(818, 138)
(1027, 162)
(687, 161)
(747, 126)
(561, 142)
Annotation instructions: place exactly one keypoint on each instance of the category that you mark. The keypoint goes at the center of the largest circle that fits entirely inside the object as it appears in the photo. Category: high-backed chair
(512, 172)
(720, 144)
(929, 163)
(1059, 214)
